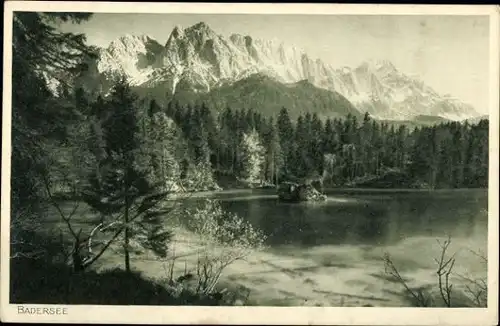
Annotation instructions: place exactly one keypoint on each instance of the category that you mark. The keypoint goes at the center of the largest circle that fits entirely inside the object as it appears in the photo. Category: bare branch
(444, 270)
(391, 269)
(66, 219)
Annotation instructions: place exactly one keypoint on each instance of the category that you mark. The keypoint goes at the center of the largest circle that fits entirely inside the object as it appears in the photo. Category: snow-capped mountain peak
(177, 32)
(199, 59)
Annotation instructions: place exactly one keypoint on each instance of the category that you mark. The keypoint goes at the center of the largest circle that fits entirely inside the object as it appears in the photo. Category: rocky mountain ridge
(199, 60)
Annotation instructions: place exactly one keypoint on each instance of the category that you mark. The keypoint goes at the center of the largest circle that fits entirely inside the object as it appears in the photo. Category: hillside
(268, 96)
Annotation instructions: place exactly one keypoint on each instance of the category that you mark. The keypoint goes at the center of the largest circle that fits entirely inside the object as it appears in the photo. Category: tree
(274, 155)
(198, 137)
(401, 147)
(121, 190)
(328, 137)
(40, 54)
(366, 143)
(226, 136)
(162, 143)
(316, 145)
(479, 154)
(253, 157)
(208, 122)
(199, 172)
(286, 136)
(301, 154)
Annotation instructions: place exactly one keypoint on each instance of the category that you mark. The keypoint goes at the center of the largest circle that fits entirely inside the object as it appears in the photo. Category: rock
(289, 191)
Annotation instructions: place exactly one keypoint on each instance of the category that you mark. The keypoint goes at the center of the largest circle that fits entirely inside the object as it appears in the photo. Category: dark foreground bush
(34, 281)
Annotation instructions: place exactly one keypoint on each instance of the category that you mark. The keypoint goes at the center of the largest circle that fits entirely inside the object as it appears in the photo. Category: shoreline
(336, 275)
(345, 190)
(339, 275)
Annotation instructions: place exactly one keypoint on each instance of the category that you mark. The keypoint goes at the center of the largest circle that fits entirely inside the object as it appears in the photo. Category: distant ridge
(199, 60)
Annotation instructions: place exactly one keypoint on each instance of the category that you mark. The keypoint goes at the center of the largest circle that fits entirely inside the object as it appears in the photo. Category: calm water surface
(332, 251)
(361, 217)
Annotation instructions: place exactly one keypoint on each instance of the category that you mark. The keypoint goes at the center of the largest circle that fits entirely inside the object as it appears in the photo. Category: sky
(449, 53)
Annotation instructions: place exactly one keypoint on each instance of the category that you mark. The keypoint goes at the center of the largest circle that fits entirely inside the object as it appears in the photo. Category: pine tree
(198, 137)
(402, 139)
(330, 151)
(366, 145)
(162, 146)
(302, 161)
(226, 134)
(213, 141)
(424, 158)
(377, 144)
(286, 136)
(39, 52)
(477, 155)
(121, 190)
(328, 137)
(274, 155)
(316, 144)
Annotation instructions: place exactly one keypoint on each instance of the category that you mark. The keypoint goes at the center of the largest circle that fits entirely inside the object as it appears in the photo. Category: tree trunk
(276, 173)
(76, 255)
(126, 241)
(272, 168)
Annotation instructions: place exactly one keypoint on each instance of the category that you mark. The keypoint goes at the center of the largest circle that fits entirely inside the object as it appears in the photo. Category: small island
(299, 192)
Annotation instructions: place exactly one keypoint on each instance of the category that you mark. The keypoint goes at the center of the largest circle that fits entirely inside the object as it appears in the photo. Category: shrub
(223, 238)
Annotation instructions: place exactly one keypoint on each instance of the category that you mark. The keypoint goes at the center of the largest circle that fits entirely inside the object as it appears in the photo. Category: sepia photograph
(268, 160)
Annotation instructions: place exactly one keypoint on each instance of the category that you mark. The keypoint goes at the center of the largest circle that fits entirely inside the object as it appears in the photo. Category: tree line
(342, 152)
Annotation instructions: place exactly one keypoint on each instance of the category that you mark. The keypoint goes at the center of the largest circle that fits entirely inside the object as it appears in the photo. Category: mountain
(198, 60)
(260, 91)
(379, 88)
(265, 94)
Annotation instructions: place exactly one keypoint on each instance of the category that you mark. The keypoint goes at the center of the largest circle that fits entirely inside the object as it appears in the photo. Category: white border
(258, 315)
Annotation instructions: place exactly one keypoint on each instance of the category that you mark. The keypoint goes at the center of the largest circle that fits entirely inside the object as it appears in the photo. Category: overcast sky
(449, 53)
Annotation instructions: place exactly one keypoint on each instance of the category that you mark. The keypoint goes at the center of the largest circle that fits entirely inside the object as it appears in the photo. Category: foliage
(253, 157)
(162, 135)
(273, 159)
(120, 188)
(223, 238)
(200, 178)
(343, 152)
(40, 55)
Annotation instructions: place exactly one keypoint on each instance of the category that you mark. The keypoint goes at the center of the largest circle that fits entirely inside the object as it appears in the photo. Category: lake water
(362, 217)
(331, 251)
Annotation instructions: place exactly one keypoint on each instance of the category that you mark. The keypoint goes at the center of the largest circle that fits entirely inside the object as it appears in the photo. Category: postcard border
(258, 315)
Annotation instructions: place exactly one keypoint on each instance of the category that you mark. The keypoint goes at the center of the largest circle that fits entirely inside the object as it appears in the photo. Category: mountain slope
(262, 94)
(379, 88)
(268, 96)
(198, 60)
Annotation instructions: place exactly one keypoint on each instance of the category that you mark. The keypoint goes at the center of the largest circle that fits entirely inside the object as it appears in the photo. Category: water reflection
(361, 218)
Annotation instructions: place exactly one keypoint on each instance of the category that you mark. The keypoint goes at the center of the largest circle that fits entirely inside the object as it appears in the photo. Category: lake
(361, 216)
(332, 250)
